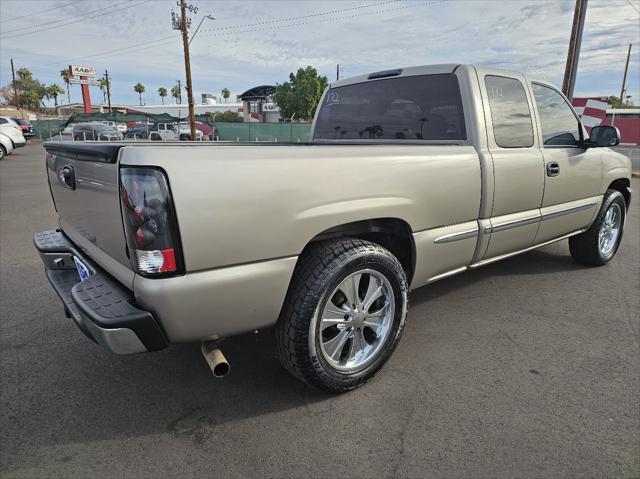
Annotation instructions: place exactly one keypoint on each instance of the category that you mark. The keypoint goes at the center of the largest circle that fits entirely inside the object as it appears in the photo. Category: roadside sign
(82, 71)
(81, 81)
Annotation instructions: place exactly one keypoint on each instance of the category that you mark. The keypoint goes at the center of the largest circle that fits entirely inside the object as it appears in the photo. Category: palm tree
(226, 94)
(162, 91)
(53, 91)
(176, 93)
(66, 76)
(139, 89)
(104, 87)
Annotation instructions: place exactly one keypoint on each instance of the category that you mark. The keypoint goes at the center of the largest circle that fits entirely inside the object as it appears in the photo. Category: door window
(512, 126)
(559, 125)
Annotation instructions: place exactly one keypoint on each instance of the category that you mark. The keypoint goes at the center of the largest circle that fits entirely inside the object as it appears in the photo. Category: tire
(587, 248)
(3, 152)
(185, 137)
(304, 340)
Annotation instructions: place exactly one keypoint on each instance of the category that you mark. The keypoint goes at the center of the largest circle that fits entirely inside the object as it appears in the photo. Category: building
(182, 110)
(594, 111)
(627, 120)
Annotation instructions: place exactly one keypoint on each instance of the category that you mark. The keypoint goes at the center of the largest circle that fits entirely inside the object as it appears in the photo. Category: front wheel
(344, 314)
(599, 244)
(3, 152)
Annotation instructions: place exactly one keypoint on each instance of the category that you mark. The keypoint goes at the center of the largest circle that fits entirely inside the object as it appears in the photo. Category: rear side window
(512, 126)
(3, 121)
(560, 127)
(424, 107)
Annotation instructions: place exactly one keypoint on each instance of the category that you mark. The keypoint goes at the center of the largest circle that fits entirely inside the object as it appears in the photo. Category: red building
(593, 111)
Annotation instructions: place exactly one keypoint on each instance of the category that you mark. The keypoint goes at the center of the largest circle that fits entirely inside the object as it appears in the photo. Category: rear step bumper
(101, 307)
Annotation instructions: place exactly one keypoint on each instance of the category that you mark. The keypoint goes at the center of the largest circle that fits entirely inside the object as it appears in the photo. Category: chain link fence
(248, 131)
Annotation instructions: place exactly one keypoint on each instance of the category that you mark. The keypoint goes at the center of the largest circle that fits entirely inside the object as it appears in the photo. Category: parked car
(6, 146)
(26, 127)
(121, 127)
(95, 131)
(411, 176)
(11, 129)
(139, 132)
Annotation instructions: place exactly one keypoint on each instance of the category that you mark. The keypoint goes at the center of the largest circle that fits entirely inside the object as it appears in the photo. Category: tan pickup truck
(410, 176)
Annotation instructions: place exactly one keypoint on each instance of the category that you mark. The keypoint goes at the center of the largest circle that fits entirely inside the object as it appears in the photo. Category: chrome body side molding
(512, 224)
(567, 211)
(448, 238)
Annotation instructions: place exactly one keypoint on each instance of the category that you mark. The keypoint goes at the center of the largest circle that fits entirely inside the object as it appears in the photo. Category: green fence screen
(280, 132)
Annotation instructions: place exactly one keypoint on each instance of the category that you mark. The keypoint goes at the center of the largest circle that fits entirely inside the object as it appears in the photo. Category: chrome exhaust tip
(215, 359)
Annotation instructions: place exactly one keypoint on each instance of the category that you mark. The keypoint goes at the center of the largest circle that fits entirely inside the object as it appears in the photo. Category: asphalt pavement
(527, 368)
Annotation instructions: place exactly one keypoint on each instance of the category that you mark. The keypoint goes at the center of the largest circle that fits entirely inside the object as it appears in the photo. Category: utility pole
(624, 78)
(573, 54)
(624, 83)
(187, 62)
(106, 77)
(15, 87)
(338, 72)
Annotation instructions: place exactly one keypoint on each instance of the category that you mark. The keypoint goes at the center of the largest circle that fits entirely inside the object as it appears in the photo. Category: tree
(176, 93)
(614, 101)
(162, 91)
(139, 89)
(225, 94)
(104, 87)
(30, 90)
(227, 116)
(66, 76)
(53, 91)
(301, 94)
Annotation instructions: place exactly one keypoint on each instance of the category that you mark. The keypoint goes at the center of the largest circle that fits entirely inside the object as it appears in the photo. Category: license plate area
(82, 269)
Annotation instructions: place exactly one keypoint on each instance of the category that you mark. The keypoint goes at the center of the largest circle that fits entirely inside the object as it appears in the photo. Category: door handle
(553, 169)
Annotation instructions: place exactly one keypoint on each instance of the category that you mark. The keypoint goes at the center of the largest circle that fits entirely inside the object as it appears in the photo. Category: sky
(260, 42)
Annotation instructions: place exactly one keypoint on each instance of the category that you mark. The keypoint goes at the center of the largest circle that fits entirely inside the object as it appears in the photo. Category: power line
(301, 17)
(92, 14)
(155, 43)
(635, 8)
(39, 12)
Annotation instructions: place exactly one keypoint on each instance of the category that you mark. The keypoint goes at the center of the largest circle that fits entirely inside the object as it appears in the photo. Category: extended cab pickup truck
(410, 176)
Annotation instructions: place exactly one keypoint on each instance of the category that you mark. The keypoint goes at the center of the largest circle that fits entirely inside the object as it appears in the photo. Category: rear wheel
(344, 314)
(599, 244)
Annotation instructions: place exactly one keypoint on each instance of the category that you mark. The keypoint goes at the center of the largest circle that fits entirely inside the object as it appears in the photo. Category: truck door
(572, 173)
(517, 164)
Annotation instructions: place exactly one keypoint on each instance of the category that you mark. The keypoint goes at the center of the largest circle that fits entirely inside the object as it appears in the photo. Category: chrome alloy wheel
(356, 320)
(610, 230)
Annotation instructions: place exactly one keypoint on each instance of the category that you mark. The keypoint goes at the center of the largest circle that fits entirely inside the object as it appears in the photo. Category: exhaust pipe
(215, 359)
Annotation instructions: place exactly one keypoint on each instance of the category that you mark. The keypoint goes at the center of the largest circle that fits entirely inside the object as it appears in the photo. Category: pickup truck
(410, 176)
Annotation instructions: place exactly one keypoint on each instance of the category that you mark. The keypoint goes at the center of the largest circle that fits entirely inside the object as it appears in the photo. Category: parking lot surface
(524, 368)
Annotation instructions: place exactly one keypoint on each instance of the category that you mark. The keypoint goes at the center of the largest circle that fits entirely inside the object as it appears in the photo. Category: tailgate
(84, 184)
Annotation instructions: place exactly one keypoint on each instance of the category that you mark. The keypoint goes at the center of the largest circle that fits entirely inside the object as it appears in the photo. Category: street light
(199, 25)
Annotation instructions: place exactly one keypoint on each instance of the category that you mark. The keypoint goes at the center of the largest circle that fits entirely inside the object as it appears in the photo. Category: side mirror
(604, 135)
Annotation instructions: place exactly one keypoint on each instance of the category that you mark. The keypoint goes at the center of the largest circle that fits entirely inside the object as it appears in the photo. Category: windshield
(424, 107)
(102, 127)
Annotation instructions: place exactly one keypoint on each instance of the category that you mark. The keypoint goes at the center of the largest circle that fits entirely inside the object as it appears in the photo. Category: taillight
(150, 221)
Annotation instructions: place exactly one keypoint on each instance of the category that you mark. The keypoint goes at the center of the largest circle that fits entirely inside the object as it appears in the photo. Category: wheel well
(391, 233)
(621, 185)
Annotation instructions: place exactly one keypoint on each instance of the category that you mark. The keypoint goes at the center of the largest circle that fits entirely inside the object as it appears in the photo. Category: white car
(6, 146)
(11, 129)
(173, 132)
(121, 127)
